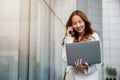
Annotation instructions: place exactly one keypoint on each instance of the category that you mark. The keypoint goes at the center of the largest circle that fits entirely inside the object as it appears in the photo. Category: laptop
(88, 51)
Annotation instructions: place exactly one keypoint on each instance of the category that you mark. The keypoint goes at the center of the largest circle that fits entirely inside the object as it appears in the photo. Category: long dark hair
(88, 29)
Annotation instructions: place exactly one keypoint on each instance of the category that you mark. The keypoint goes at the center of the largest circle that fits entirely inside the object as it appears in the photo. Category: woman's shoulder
(68, 39)
(96, 36)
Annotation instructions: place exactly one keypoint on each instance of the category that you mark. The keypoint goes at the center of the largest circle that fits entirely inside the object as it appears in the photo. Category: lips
(78, 28)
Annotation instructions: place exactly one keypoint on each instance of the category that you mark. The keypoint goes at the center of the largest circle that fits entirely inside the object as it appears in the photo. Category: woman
(78, 28)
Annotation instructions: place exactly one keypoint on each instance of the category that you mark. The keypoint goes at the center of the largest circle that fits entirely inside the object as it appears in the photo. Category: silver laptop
(88, 51)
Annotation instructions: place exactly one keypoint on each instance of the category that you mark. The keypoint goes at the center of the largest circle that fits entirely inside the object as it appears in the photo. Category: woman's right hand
(69, 31)
(79, 64)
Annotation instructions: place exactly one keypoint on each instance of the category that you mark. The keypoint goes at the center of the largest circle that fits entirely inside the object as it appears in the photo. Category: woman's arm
(68, 39)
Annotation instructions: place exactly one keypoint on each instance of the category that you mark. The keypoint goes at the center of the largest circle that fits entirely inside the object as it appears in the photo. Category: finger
(86, 64)
(77, 60)
(75, 64)
(80, 62)
(69, 30)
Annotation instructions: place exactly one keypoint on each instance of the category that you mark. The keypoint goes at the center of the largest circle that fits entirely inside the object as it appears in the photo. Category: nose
(78, 24)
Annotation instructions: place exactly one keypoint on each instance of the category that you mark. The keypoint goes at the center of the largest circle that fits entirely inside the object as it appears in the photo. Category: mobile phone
(72, 32)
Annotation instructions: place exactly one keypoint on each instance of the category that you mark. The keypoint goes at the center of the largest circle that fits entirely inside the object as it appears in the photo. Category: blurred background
(31, 32)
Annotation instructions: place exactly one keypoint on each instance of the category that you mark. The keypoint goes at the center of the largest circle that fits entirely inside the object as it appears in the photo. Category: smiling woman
(83, 32)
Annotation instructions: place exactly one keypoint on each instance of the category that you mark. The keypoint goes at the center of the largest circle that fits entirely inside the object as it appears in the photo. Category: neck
(81, 34)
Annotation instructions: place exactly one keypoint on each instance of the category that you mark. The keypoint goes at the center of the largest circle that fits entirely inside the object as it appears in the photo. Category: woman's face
(78, 24)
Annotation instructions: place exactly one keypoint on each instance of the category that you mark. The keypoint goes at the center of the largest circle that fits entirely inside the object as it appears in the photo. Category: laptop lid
(88, 51)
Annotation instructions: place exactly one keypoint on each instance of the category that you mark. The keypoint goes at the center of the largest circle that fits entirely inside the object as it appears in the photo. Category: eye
(74, 23)
(80, 21)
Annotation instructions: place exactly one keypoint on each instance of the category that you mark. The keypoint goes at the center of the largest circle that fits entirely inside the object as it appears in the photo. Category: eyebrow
(77, 21)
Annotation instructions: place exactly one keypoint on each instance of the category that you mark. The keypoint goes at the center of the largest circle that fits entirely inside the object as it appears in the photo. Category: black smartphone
(72, 32)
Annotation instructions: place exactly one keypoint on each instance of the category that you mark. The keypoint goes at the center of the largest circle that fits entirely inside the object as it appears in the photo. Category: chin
(79, 31)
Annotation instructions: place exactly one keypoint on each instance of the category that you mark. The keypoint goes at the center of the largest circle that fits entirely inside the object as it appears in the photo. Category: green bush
(111, 71)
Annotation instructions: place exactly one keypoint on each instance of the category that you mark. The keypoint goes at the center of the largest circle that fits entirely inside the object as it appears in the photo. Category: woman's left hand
(79, 64)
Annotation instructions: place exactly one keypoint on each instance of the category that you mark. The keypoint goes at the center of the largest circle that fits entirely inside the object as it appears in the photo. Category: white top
(74, 74)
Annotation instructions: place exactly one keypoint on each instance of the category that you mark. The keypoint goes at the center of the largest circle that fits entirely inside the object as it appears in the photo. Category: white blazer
(73, 73)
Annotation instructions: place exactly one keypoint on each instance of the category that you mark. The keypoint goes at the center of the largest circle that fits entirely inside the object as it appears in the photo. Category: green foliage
(111, 71)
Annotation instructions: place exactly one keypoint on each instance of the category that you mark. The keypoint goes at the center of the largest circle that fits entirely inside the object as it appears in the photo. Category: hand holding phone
(70, 31)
